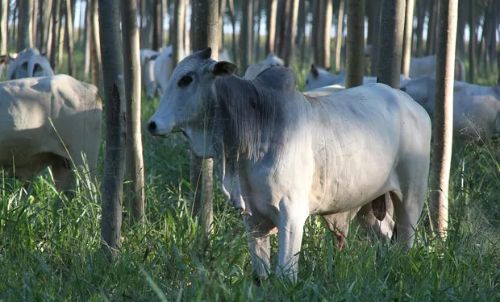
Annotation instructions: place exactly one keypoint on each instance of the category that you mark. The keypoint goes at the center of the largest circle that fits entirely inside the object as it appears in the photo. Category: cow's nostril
(152, 127)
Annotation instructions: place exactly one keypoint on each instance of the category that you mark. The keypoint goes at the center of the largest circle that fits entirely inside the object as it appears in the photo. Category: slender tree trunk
(206, 31)
(232, 16)
(407, 39)
(4, 19)
(301, 29)
(391, 42)
(34, 21)
(157, 25)
(472, 42)
(443, 115)
(69, 37)
(88, 40)
(132, 75)
(178, 31)
(290, 31)
(61, 35)
(25, 37)
(355, 42)
(492, 41)
(222, 11)
(55, 32)
(42, 37)
(376, 6)
(338, 40)
(114, 161)
(461, 22)
(317, 27)
(15, 25)
(326, 51)
(431, 28)
(245, 33)
(281, 19)
(419, 49)
(96, 66)
(257, 31)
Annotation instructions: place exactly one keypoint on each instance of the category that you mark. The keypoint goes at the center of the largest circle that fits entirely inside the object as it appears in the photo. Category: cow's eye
(184, 81)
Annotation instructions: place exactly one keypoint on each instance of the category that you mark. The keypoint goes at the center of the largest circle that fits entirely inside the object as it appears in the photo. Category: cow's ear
(223, 68)
(314, 71)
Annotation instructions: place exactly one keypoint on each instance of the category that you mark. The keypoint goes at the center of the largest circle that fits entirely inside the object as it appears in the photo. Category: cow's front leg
(290, 231)
(258, 232)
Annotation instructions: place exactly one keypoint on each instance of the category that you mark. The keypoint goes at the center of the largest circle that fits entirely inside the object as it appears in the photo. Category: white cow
(148, 60)
(300, 155)
(475, 108)
(319, 77)
(28, 63)
(426, 66)
(49, 121)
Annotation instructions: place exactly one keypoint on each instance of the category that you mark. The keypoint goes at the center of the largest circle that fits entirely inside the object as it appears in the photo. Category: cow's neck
(246, 115)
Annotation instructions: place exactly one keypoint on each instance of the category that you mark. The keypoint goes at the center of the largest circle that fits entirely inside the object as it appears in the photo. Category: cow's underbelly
(25, 154)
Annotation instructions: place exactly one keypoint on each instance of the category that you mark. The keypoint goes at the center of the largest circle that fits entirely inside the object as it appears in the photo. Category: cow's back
(370, 128)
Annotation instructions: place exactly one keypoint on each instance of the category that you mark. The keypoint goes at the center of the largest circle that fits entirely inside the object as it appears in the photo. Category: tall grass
(50, 246)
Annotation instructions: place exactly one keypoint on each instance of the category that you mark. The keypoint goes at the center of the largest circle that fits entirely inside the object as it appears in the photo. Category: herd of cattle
(340, 153)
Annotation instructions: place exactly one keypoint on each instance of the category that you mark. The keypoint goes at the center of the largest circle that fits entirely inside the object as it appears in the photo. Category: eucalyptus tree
(114, 157)
(205, 34)
(443, 115)
(132, 76)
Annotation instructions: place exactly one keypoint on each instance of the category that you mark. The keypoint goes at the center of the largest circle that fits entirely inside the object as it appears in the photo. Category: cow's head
(188, 103)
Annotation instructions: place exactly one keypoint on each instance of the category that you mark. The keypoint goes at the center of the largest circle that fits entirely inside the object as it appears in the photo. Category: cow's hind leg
(407, 213)
(338, 223)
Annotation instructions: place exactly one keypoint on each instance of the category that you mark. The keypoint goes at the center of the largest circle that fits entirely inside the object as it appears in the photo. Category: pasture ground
(50, 246)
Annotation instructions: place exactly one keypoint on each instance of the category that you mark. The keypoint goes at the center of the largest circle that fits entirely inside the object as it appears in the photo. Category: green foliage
(50, 246)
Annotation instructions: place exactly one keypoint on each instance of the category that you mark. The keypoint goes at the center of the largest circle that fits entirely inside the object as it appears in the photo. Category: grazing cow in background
(319, 77)
(28, 63)
(255, 69)
(475, 108)
(426, 66)
(49, 121)
(300, 155)
(163, 68)
(148, 60)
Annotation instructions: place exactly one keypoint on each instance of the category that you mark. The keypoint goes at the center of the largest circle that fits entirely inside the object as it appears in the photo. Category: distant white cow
(148, 60)
(319, 77)
(475, 108)
(163, 68)
(49, 121)
(28, 63)
(426, 66)
(255, 69)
